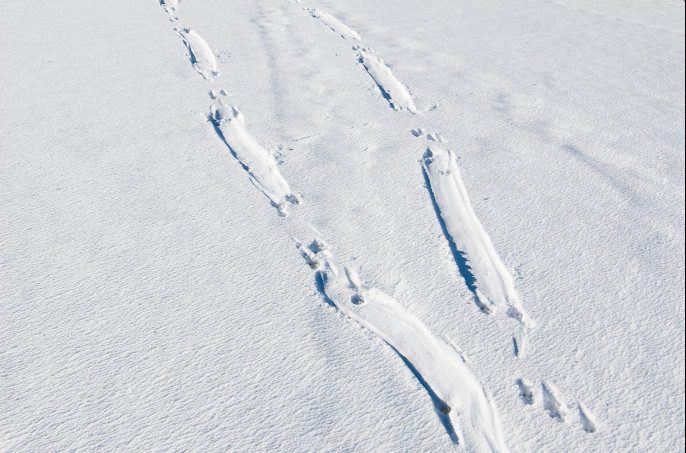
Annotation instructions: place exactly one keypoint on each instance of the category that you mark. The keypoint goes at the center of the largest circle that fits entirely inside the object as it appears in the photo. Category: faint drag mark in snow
(391, 88)
(629, 22)
(462, 404)
(588, 420)
(553, 402)
(262, 167)
(334, 24)
(482, 269)
(202, 58)
(520, 341)
(600, 168)
(273, 26)
(397, 94)
(526, 391)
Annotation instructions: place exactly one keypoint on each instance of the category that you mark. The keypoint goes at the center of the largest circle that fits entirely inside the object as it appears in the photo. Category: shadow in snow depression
(459, 256)
(441, 407)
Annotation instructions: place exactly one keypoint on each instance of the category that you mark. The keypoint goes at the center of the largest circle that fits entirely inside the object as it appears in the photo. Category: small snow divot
(553, 402)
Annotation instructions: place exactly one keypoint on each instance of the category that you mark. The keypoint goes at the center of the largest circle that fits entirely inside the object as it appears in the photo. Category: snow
(392, 89)
(483, 271)
(335, 25)
(261, 165)
(464, 406)
(201, 55)
(152, 298)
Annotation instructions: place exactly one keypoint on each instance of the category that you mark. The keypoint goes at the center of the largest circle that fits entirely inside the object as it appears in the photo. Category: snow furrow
(553, 402)
(461, 402)
(588, 420)
(481, 267)
(202, 57)
(526, 391)
(334, 24)
(391, 88)
(262, 167)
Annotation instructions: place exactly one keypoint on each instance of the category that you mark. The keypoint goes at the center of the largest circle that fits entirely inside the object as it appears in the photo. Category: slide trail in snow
(397, 94)
(484, 273)
(202, 57)
(460, 400)
(391, 88)
(334, 24)
(262, 167)
(553, 402)
(588, 420)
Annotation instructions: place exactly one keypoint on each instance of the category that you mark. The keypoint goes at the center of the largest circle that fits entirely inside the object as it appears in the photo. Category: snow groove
(588, 420)
(460, 401)
(553, 402)
(397, 94)
(202, 57)
(334, 24)
(391, 88)
(262, 167)
(481, 267)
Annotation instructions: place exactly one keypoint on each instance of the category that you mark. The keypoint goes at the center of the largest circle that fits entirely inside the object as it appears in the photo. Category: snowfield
(318, 225)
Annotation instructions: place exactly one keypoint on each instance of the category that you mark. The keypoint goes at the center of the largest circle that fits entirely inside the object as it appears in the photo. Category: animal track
(397, 94)
(553, 402)
(461, 402)
(203, 59)
(334, 24)
(526, 391)
(588, 420)
(391, 88)
(262, 167)
(484, 273)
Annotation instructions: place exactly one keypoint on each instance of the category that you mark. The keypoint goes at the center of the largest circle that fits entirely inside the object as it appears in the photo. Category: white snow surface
(152, 298)
(392, 89)
(463, 404)
(483, 270)
(201, 55)
(335, 25)
(261, 165)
